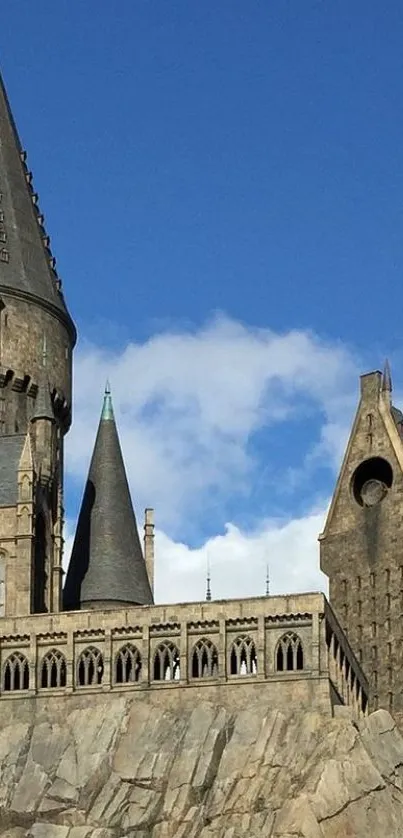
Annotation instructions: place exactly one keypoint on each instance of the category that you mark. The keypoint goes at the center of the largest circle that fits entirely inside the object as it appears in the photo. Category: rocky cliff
(126, 768)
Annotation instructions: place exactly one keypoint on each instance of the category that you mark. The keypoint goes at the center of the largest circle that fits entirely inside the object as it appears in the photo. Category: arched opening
(167, 662)
(289, 653)
(371, 481)
(300, 657)
(243, 658)
(127, 665)
(204, 660)
(90, 668)
(53, 670)
(16, 673)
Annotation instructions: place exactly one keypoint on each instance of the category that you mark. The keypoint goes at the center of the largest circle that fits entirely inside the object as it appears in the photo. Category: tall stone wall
(361, 548)
(289, 648)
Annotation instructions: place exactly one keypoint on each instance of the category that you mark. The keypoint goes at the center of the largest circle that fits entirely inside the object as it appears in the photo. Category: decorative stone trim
(165, 628)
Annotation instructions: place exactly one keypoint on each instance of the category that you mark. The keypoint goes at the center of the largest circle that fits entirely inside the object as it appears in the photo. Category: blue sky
(223, 187)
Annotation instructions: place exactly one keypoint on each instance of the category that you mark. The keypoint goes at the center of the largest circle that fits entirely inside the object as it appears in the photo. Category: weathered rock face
(126, 768)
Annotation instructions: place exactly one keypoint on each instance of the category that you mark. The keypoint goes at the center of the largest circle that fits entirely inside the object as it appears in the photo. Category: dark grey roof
(107, 562)
(10, 455)
(43, 402)
(387, 378)
(397, 415)
(25, 261)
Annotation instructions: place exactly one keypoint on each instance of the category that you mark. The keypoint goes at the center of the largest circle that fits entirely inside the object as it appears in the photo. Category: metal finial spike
(267, 581)
(386, 378)
(208, 581)
(107, 410)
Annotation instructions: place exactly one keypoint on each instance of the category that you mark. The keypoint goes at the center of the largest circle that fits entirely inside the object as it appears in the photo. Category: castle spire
(386, 378)
(107, 409)
(208, 582)
(267, 580)
(43, 402)
(27, 266)
(107, 566)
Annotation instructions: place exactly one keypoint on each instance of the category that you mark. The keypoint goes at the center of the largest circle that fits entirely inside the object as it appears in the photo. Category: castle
(101, 633)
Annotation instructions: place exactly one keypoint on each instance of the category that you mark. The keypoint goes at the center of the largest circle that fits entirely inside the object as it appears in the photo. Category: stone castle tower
(361, 547)
(37, 337)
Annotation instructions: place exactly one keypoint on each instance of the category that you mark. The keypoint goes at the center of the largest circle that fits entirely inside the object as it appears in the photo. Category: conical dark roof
(387, 378)
(43, 402)
(107, 563)
(25, 259)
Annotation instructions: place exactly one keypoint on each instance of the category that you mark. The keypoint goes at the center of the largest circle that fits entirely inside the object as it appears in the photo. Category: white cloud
(238, 562)
(189, 402)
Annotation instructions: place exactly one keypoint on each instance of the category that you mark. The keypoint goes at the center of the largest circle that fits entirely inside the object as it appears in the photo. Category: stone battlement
(291, 644)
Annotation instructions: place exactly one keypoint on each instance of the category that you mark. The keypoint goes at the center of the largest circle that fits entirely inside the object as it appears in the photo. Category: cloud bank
(239, 560)
(191, 405)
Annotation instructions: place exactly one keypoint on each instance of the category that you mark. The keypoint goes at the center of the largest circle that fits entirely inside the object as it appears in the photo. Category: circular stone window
(371, 481)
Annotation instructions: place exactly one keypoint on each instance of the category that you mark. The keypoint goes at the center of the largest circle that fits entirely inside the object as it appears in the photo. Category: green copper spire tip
(107, 410)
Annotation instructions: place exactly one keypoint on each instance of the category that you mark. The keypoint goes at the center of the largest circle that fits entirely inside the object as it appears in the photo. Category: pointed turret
(26, 460)
(386, 378)
(27, 267)
(208, 583)
(267, 581)
(107, 567)
(43, 403)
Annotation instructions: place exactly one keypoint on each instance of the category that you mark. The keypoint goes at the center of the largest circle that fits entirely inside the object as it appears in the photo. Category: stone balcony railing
(278, 639)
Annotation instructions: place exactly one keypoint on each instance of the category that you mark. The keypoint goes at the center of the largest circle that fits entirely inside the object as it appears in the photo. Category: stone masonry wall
(25, 330)
(291, 648)
(362, 551)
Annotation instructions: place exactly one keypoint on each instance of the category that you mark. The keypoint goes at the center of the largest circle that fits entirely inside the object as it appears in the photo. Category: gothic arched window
(204, 659)
(166, 662)
(53, 670)
(90, 667)
(242, 658)
(16, 673)
(127, 665)
(289, 654)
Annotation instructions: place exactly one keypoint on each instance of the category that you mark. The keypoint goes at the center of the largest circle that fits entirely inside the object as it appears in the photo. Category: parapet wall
(290, 647)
